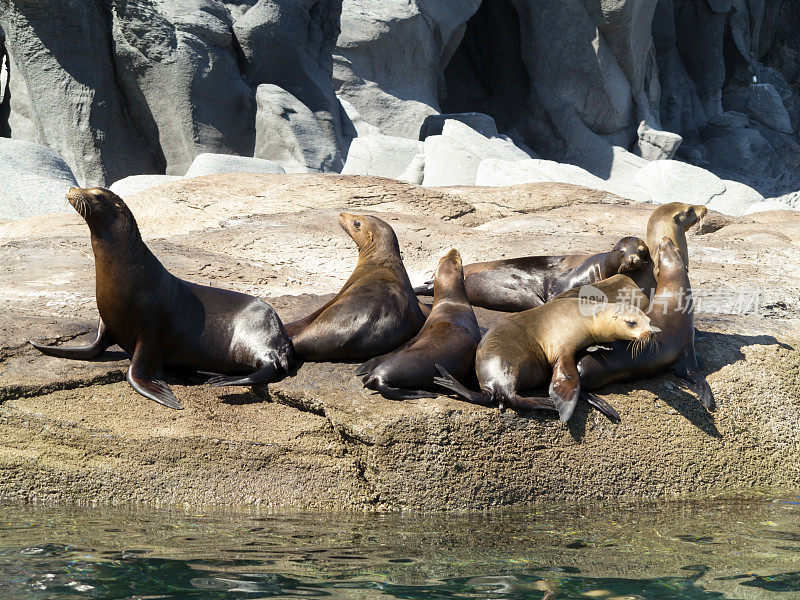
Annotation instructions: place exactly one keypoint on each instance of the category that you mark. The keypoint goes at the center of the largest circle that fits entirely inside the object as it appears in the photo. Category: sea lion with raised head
(671, 310)
(374, 312)
(529, 348)
(518, 284)
(449, 337)
(163, 321)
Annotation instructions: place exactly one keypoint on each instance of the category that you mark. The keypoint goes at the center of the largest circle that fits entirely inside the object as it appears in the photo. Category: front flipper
(601, 405)
(530, 403)
(90, 352)
(686, 369)
(565, 387)
(145, 376)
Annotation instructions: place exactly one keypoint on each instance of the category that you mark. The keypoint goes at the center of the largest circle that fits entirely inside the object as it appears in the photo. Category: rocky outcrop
(121, 88)
(33, 180)
(76, 431)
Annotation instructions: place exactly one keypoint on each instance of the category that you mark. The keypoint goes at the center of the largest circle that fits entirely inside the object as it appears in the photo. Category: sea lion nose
(654, 329)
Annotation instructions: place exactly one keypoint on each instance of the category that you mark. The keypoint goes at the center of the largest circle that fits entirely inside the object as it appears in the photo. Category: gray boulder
(63, 91)
(654, 144)
(415, 172)
(288, 43)
(736, 200)
(765, 106)
(771, 204)
(213, 164)
(453, 158)
(674, 181)
(494, 172)
(288, 133)
(34, 180)
(483, 124)
(136, 183)
(390, 55)
(177, 67)
(381, 155)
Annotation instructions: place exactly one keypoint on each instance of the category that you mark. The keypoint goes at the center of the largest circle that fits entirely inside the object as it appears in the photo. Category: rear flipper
(90, 352)
(530, 403)
(686, 369)
(266, 374)
(601, 405)
(449, 382)
(393, 393)
(366, 368)
(426, 289)
(565, 387)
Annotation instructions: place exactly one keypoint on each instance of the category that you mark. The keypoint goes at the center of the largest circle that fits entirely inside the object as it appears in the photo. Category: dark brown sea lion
(164, 321)
(449, 337)
(529, 348)
(517, 284)
(374, 312)
(671, 310)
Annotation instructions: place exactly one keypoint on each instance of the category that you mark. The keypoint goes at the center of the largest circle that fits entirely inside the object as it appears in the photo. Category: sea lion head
(632, 254)
(368, 232)
(449, 267)
(686, 215)
(668, 258)
(616, 321)
(103, 211)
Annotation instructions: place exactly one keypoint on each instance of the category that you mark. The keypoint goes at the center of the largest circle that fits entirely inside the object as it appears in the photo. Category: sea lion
(673, 220)
(671, 310)
(374, 312)
(527, 349)
(618, 288)
(523, 283)
(449, 337)
(161, 320)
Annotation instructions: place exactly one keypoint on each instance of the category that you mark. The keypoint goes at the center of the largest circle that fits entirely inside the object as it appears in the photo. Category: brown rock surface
(76, 431)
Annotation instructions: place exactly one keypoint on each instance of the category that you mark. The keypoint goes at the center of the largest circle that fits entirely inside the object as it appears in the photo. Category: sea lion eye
(356, 223)
(631, 324)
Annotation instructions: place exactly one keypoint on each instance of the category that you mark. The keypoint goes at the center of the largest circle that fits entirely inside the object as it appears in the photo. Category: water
(649, 551)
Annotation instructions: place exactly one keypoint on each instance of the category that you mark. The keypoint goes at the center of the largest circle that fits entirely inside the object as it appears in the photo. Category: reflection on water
(650, 551)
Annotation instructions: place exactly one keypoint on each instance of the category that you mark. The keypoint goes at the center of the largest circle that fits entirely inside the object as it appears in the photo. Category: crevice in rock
(152, 146)
(5, 90)
(300, 403)
(13, 392)
(487, 73)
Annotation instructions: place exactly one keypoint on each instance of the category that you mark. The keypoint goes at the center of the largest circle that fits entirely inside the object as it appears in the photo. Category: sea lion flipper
(268, 373)
(565, 387)
(90, 352)
(686, 369)
(426, 289)
(393, 393)
(144, 375)
(365, 368)
(601, 405)
(449, 382)
(154, 389)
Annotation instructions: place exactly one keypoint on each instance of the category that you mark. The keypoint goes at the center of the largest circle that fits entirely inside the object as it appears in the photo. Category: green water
(643, 551)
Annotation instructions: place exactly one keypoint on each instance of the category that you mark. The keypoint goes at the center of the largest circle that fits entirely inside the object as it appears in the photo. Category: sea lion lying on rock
(449, 337)
(671, 310)
(164, 321)
(374, 312)
(529, 348)
(517, 284)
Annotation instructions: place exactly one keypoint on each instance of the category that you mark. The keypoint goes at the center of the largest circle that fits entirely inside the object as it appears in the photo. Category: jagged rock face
(573, 80)
(63, 92)
(178, 70)
(126, 87)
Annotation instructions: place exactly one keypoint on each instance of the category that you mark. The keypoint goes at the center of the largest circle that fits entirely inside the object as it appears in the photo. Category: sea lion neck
(450, 287)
